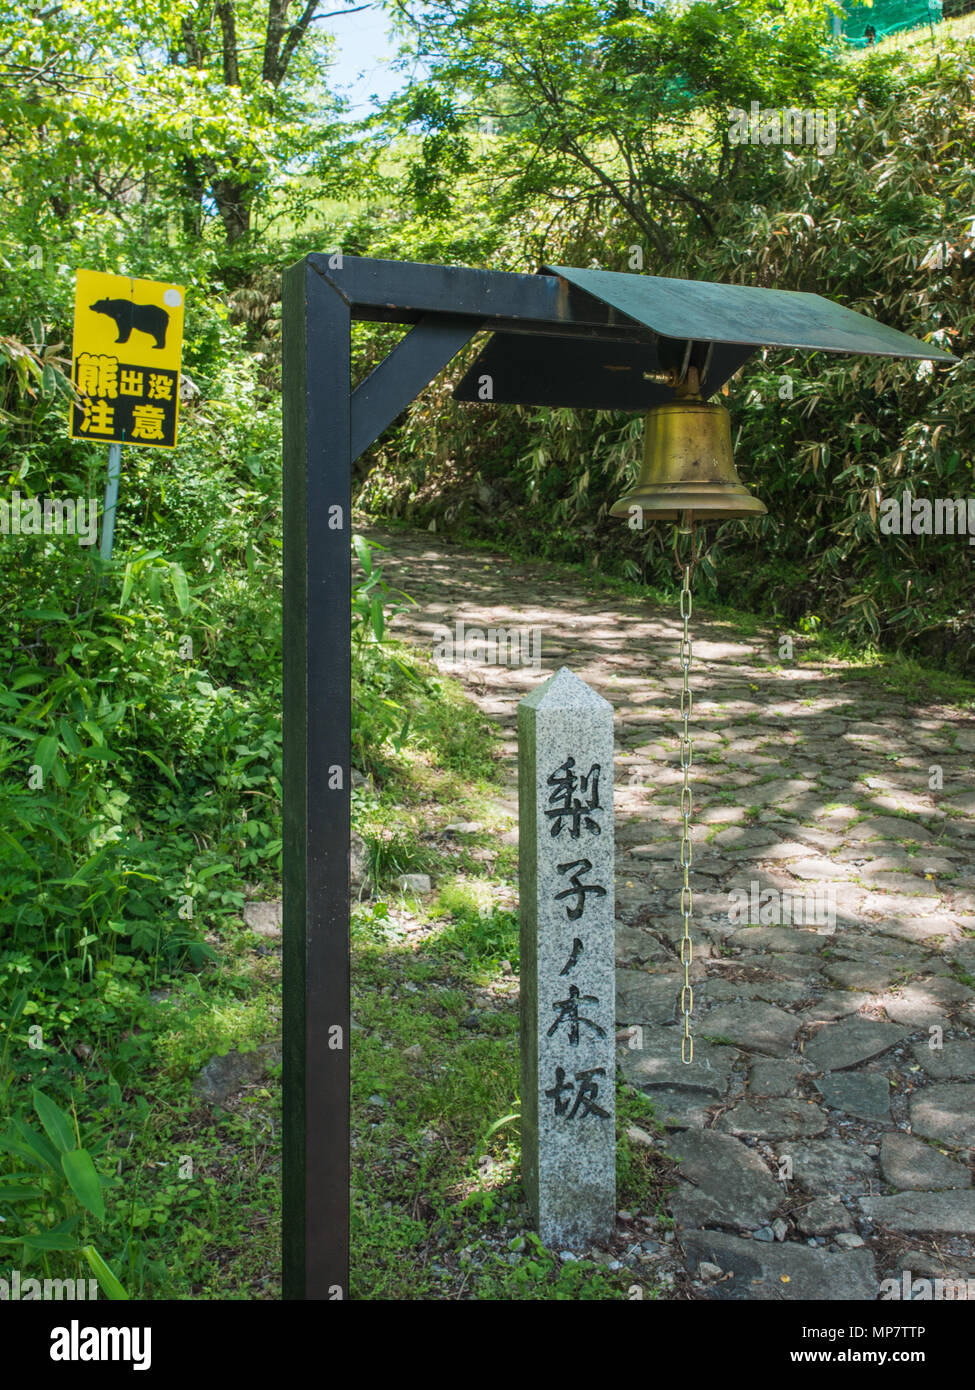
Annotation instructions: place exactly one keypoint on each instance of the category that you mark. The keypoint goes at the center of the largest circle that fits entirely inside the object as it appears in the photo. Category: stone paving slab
(954, 1058)
(645, 998)
(933, 1264)
(864, 1094)
(945, 1112)
(932, 928)
(777, 939)
(824, 1216)
(678, 1107)
(906, 1162)
(776, 1118)
(723, 1183)
(831, 1166)
(868, 975)
(787, 1273)
(774, 1078)
(925, 1002)
(852, 1040)
(919, 1213)
(657, 1064)
(835, 1004)
(756, 1027)
(635, 946)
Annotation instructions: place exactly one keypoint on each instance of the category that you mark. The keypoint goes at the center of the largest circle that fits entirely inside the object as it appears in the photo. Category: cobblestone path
(826, 1131)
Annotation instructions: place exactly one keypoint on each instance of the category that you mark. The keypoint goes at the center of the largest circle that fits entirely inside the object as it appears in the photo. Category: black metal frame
(327, 425)
(588, 353)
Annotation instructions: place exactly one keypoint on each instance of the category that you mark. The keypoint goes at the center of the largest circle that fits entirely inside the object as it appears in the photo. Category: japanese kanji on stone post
(565, 773)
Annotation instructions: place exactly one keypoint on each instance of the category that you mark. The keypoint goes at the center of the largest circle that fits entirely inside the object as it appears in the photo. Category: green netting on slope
(887, 17)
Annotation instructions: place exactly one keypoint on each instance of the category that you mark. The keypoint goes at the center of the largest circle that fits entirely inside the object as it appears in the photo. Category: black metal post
(317, 753)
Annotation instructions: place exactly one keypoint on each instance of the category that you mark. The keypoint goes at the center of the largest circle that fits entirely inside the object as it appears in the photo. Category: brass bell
(688, 468)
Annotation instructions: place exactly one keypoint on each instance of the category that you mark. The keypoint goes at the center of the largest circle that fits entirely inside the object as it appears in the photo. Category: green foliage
(598, 105)
(54, 1189)
(883, 225)
(381, 672)
(230, 106)
(477, 931)
(140, 711)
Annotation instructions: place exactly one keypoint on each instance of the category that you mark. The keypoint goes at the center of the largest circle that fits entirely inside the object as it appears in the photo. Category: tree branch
(277, 56)
(228, 28)
(277, 17)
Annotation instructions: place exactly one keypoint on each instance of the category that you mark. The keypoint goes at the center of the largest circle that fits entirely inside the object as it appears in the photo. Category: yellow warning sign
(128, 342)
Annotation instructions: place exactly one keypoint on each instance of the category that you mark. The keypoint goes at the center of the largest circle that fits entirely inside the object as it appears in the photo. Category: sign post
(111, 500)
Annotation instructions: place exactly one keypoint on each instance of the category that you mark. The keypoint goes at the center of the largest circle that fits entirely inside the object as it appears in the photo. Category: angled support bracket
(409, 367)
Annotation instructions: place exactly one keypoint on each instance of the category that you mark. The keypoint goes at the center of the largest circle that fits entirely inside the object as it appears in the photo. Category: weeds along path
(826, 1127)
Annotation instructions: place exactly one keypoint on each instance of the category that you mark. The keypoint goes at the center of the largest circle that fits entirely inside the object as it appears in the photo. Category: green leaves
(180, 588)
(16, 1192)
(83, 1181)
(156, 568)
(110, 1285)
(69, 738)
(133, 569)
(60, 1168)
(76, 1163)
(50, 1241)
(57, 1124)
(372, 596)
(621, 110)
(20, 1141)
(45, 752)
(363, 553)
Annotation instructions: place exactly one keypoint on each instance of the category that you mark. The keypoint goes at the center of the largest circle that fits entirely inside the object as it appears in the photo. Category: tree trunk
(233, 202)
(191, 197)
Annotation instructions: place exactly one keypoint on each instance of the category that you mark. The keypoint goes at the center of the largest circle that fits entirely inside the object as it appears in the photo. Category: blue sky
(359, 70)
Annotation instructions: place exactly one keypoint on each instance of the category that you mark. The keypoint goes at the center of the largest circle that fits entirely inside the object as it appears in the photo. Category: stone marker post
(568, 1013)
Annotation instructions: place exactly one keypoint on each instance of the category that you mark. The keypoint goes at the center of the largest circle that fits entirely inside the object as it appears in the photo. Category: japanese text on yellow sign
(128, 339)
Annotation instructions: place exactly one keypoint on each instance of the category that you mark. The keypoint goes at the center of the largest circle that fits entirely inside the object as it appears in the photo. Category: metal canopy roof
(716, 328)
(706, 312)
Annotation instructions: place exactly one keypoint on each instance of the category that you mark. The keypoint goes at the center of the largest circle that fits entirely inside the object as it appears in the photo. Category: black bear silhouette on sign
(144, 318)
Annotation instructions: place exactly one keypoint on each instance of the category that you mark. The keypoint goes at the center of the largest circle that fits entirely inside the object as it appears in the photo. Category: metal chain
(686, 800)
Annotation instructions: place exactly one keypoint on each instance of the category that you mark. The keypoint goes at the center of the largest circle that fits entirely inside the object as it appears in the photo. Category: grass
(437, 1206)
(948, 30)
(438, 1211)
(193, 1195)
